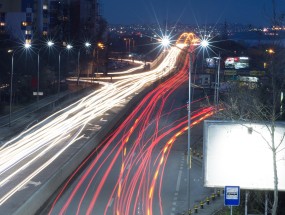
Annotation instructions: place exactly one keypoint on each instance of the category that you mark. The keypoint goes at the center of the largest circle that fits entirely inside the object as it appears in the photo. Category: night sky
(197, 12)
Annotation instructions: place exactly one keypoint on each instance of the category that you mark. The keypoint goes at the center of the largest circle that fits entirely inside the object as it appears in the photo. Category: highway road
(31, 158)
(141, 167)
(33, 163)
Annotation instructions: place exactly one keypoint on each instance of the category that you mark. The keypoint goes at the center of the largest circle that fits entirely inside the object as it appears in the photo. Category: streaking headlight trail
(63, 128)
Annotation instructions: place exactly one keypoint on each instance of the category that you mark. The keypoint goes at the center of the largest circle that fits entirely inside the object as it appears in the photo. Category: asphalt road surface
(141, 167)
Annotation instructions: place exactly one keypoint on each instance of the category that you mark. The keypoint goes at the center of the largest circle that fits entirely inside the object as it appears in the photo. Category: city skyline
(257, 13)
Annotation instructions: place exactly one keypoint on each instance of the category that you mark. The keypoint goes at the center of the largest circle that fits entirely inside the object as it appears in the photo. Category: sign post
(232, 196)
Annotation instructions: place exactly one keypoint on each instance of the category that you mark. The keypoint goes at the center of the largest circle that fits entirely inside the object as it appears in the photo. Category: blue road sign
(232, 195)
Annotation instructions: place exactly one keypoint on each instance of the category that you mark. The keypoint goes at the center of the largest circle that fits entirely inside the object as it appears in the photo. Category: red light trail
(139, 179)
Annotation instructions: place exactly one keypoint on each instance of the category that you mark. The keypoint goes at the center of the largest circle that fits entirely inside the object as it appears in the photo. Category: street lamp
(203, 44)
(68, 47)
(26, 46)
(99, 46)
(86, 46)
(128, 44)
(217, 79)
(165, 42)
(189, 131)
(49, 44)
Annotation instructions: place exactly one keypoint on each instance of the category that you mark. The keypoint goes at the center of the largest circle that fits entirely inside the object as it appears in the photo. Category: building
(16, 18)
(26, 20)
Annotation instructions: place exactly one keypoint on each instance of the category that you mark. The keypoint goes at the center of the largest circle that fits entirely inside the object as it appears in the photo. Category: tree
(252, 102)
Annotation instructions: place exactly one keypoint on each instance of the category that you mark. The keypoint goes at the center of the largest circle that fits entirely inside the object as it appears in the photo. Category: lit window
(28, 41)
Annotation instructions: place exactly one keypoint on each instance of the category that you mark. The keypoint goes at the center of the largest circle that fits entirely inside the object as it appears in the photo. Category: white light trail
(63, 128)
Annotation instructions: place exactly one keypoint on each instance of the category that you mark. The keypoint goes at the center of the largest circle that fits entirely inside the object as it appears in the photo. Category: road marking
(103, 120)
(31, 183)
(22, 188)
(178, 180)
(35, 183)
(95, 128)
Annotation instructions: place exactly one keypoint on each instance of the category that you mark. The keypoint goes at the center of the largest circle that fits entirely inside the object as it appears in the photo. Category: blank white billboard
(239, 154)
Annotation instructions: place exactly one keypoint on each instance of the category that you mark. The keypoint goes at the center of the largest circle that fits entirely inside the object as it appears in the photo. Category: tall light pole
(86, 46)
(49, 44)
(203, 44)
(99, 46)
(189, 130)
(68, 47)
(218, 85)
(165, 42)
(26, 46)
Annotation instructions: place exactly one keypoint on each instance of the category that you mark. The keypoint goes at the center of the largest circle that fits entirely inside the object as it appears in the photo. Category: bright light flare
(165, 42)
(204, 43)
(87, 44)
(69, 46)
(27, 45)
(50, 43)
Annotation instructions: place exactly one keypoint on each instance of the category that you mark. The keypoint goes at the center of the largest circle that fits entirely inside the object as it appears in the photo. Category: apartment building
(26, 20)
(16, 18)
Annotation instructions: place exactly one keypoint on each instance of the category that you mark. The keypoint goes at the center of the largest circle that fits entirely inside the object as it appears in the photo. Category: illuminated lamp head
(204, 43)
(27, 45)
(165, 42)
(50, 43)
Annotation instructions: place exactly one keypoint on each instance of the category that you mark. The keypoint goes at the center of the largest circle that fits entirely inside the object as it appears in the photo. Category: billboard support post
(246, 201)
(266, 203)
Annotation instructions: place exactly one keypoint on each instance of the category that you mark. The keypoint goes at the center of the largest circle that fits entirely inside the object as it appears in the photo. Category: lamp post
(217, 81)
(165, 42)
(26, 46)
(203, 44)
(99, 46)
(86, 45)
(68, 47)
(11, 88)
(49, 44)
(189, 131)
(218, 86)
